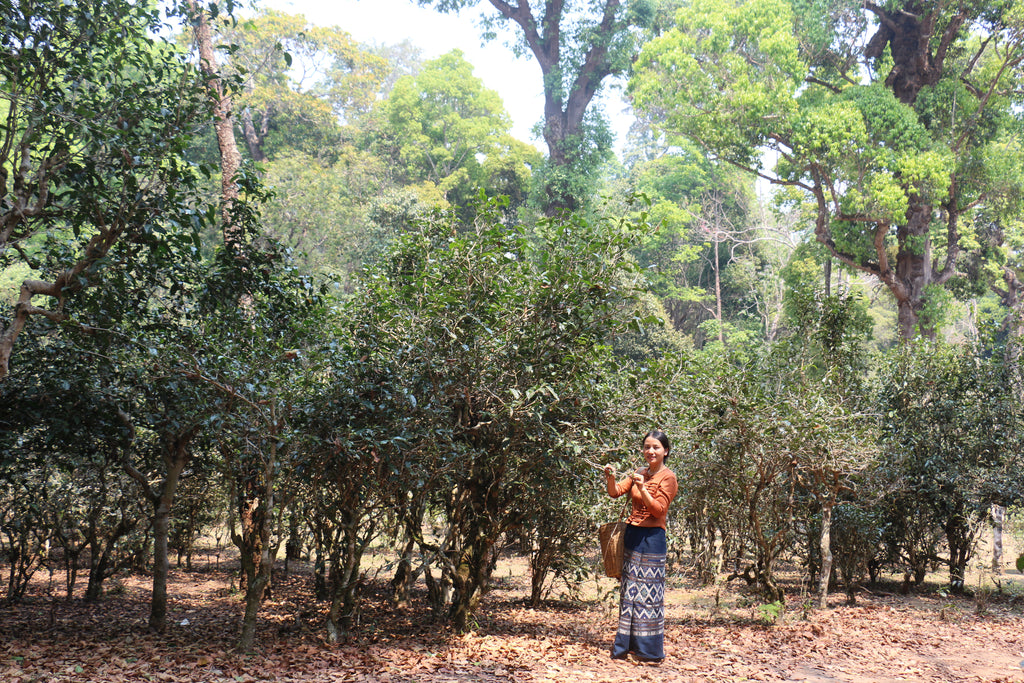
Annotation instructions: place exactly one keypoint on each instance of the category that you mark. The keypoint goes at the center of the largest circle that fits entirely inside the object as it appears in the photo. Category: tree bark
(718, 291)
(293, 546)
(253, 141)
(402, 582)
(343, 614)
(256, 558)
(908, 30)
(826, 555)
(998, 517)
(100, 563)
(176, 457)
(958, 537)
(472, 574)
(321, 542)
(918, 62)
(485, 519)
(828, 277)
(230, 159)
(563, 111)
(914, 272)
(256, 501)
(541, 559)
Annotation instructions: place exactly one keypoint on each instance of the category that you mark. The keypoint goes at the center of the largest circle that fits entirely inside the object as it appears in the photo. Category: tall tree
(578, 45)
(674, 255)
(446, 129)
(892, 116)
(301, 82)
(715, 257)
(321, 210)
(223, 117)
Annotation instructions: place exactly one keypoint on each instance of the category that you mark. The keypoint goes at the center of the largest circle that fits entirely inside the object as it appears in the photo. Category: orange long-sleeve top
(662, 486)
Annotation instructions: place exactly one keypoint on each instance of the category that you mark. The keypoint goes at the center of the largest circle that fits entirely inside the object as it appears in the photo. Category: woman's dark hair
(660, 436)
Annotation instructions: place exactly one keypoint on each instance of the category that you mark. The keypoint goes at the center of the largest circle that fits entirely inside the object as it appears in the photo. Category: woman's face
(654, 453)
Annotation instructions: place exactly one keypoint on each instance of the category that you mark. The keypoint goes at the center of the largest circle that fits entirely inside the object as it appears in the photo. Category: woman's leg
(642, 601)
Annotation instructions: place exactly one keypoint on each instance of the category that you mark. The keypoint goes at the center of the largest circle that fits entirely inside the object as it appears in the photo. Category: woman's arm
(615, 489)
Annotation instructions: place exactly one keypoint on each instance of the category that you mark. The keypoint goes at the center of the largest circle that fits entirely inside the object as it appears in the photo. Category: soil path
(883, 638)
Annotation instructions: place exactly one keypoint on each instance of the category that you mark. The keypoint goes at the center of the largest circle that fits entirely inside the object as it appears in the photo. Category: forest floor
(924, 636)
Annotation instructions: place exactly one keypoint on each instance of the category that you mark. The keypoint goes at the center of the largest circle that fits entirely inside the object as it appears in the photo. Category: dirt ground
(926, 636)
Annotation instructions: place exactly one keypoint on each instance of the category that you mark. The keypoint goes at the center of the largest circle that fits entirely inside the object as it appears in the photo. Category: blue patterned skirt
(642, 602)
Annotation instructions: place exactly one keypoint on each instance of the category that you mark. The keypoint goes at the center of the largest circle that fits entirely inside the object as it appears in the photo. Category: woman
(642, 603)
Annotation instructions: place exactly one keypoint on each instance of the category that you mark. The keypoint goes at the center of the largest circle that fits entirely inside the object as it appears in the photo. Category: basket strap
(626, 506)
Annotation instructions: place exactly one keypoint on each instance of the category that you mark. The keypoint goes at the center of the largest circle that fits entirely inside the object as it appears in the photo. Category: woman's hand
(638, 479)
(609, 481)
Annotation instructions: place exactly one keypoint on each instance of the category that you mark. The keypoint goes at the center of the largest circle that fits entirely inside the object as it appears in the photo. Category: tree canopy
(443, 127)
(578, 46)
(898, 119)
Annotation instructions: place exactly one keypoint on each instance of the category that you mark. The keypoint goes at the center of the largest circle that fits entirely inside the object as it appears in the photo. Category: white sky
(517, 81)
